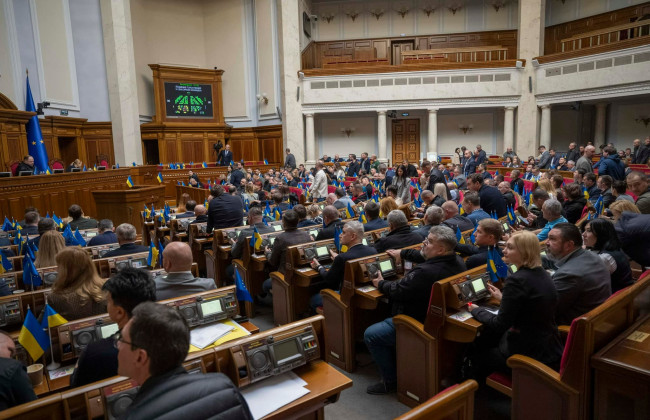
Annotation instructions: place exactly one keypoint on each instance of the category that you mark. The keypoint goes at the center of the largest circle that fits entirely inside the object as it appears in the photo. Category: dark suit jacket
(107, 237)
(184, 215)
(126, 249)
(544, 160)
(290, 161)
(22, 167)
(482, 157)
(375, 224)
(468, 165)
(365, 164)
(519, 184)
(573, 155)
(225, 211)
(200, 219)
(98, 361)
(398, 238)
(328, 231)
(83, 223)
(225, 157)
(29, 230)
(278, 258)
(477, 255)
(462, 222)
(15, 387)
(334, 276)
(352, 168)
(492, 200)
(423, 231)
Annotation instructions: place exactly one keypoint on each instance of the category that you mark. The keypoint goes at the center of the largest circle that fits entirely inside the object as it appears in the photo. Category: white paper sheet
(270, 394)
(204, 336)
(461, 316)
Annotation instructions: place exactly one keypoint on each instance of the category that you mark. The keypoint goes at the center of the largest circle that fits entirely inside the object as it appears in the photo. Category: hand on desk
(376, 280)
(494, 292)
(314, 263)
(333, 254)
(395, 253)
(471, 307)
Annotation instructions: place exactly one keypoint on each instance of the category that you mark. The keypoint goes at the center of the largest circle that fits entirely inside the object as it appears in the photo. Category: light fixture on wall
(377, 13)
(563, 1)
(465, 127)
(328, 17)
(353, 14)
(643, 119)
(347, 131)
(402, 11)
(262, 98)
(454, 6)
(499, 4)
(428, 9)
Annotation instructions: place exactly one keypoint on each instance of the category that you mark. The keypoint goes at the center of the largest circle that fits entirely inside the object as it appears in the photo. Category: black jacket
(458, 221)
(186, 214)
(15, 387)
(410, 295)
(200, 219)
(29, 230)
(328, 231)
(105, 238)
(176, 394)
(573, 155)
(23, 167)
(492, 200)
(97, 362)
(352, 168)
(398, 238)
(573, 209)
(622, 276)
(334, 276)
(126, 249)
(411, 172)
(83, 223)
(278, 258)
(527, 316)
(225, 211)
(375, 224)
(468, 165)
(245, 235)
(478, 255)
(633, 230)
(437, 177)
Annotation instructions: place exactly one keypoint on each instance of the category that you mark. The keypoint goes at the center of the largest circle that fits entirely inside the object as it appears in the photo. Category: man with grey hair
(573, 153)
(433, 217)
(126, 235)
(318, 188)
(399, 234)
(410, 296)
(551, 211)
(331, 220)
(584, 162)
(105, 234)
(351, 238)
(331, 201)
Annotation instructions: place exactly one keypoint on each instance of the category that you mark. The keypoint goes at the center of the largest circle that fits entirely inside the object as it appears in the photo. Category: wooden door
(398, 47)
(68, 150)
(406, 141)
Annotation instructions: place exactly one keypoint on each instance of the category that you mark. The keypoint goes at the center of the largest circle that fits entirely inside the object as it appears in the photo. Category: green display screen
(188, 100)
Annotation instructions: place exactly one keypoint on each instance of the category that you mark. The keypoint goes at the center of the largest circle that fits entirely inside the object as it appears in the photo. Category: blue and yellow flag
(256, 239)
(349, 213)
(35, 144)
(32, 336)
(152, 258)
(585, 192)
(240, 287)
(159, 178)
(337, 238)
(204, 165)
(51, 318)
(95, 167)
(7, 226)
(30, 275)
(129, 182)
(266, 162)
(471, 235)
(6, 265)
(277, 214)
(147, 212)
(161, 248)
(461, 210)
(495, 265)
(459, 236)
(134, 164)
(362, 217)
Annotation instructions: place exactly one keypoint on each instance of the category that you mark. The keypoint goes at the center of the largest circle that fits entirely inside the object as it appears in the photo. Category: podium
(124, 206)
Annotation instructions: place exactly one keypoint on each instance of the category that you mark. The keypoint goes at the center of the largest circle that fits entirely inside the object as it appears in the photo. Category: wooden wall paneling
(186, 150)
(92, 150)
(170, 148)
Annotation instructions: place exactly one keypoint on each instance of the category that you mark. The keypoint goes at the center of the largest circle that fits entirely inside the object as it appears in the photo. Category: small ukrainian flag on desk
(129, 182)
(51, 318)
(32, 336)
(159, 177)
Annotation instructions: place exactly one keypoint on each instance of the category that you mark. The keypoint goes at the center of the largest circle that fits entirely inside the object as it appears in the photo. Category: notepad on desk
(273, 393)
(366, 289)
(201, 335)
(461, 316)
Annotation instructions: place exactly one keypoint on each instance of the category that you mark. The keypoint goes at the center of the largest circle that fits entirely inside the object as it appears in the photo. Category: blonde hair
(313, 211)
(387, 205)
(180, 208)
(528, 246)
(50, 244)
(77, 274)
(547, 186)
(440, 190)
(619, 206)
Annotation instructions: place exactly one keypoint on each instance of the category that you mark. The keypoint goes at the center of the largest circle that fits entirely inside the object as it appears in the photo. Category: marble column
(289, 54)
(122, 88)
(601, 119)
(545, 127)
(509, 128)
(530, 44)
(381, 136)
(310, 140)
(432, 134)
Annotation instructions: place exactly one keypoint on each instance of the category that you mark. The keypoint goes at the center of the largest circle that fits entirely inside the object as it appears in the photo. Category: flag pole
(53, 364)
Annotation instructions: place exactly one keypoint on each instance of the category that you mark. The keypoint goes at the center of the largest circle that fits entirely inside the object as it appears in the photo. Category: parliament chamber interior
(308, 209)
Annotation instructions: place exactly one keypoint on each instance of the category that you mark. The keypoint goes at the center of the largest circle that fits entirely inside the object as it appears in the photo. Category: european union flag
(6, 264)
(32, 337)
(496, 267)
(30, 275)
(35, 144)
(79, 239)
(240, 287)
(7, 226)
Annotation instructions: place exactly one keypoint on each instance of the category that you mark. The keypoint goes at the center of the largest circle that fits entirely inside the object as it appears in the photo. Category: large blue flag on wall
(35, 143)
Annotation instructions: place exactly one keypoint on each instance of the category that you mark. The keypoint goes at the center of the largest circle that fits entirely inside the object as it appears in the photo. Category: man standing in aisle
(290, 161)
(318, 188)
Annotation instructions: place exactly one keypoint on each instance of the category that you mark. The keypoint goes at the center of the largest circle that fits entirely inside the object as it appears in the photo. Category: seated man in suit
(302, 216)
(400, 234)
(27, 165)
(472, 207)
(179, 281)
(15, 386)
(331, 200)
(200, 214)
(410, 296)
(152, 347)
(31, 224)
(126, 236)
(278, 203)
(224, 210)
(342, 199)
(351, 237)
(106, 234)
(581, 277)
(331, 220)
(372, 216)
(488, 234)
(433, 217)
(254, 220)
(455, 220)
(125, 290)
(189, 206)
(79, 221)
(359, 193)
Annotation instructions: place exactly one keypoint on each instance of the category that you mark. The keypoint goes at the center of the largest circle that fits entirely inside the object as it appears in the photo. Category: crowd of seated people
(588, 262)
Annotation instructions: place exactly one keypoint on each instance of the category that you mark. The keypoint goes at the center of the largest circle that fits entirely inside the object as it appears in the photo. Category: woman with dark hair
(508, 162)
(599, 235)
(516, 163)
(403, 184)
(575, 202)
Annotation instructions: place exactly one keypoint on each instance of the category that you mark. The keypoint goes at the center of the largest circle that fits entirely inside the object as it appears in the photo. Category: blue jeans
(267, 286)
(380, 338)
(317, 300)
(318, 200)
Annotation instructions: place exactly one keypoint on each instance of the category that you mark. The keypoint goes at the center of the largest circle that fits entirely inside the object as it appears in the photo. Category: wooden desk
(124, 205)
(459, 54)
(622, 371)
(325, 385)
(605, 35)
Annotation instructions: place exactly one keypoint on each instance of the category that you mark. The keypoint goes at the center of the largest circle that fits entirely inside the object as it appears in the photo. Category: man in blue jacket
(611, 164)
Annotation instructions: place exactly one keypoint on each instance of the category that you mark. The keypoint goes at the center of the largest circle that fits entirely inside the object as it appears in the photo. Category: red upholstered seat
(331, 189)
(13, 166)
(57, 165)
(567, 347)
(500, 381)
(103, 163)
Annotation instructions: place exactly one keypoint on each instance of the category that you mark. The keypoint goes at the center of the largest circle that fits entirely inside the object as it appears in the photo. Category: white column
(432, 133)
(601, 117)
(545, 128)
(310, 140)
(381, 136)
(509, 128)
(122, 88)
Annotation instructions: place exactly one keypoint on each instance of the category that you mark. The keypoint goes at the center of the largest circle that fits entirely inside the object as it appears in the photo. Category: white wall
(559, 12)
(622, 129)
(474, 16)
(331, 141)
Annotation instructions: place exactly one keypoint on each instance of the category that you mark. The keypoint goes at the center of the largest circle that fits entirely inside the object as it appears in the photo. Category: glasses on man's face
(117, 337)
(427, 241)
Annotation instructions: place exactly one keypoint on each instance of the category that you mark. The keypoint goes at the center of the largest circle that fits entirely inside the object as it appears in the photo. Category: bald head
(450, 208)
(331, 198)
(427, 196)
(177, 256)
(589, 151)
(200, 210)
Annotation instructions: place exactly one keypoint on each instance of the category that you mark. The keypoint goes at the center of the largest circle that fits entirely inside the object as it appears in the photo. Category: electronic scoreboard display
(188, 100)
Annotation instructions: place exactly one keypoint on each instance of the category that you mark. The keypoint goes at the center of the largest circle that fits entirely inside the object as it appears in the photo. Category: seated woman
(575, 202)
(313, 214)
(386, 205)
(77, 292)
(525, 323)
(439, 194)
(516, 163)
(180, 207)
(50, 244)
(599, 235)
(618, 207)
(507, 162)
(76, 164)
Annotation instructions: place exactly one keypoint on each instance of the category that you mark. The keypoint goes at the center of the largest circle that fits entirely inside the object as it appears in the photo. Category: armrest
(543, 374)
(404, 321)
(333, 298)
(277, 276)
(457, 399)
(564, 332)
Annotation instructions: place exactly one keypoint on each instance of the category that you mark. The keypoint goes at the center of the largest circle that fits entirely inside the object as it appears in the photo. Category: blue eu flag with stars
(35, 143)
